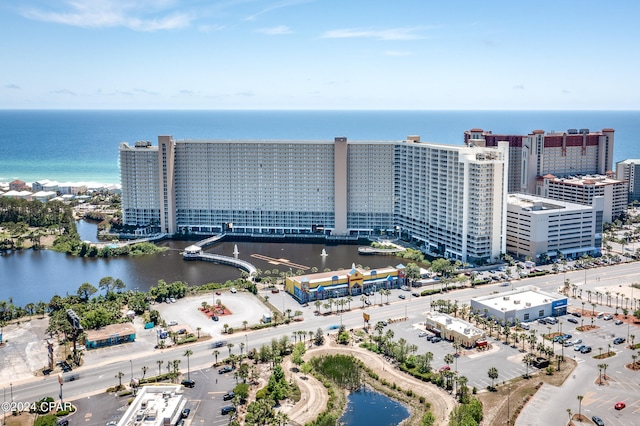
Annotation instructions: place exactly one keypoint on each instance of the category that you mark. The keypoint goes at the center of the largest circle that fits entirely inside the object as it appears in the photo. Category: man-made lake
(31, 276)
(369, 408)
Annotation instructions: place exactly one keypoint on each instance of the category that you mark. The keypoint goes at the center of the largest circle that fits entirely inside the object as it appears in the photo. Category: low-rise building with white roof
(155, 406)
(527, 303)
(454, 329)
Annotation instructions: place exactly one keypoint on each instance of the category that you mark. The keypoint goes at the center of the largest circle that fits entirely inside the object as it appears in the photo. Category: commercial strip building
(454, 329)
(629, 170)
(159, 405)
(538, 226)
(112, 334)
(451, 199)
(583, 190)
(527, 303)
(346, 282)
(562, 154)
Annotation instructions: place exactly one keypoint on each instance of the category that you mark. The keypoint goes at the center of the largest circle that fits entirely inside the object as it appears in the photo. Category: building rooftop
(519, 298)
(454, 324)
(155, 406)
(110, 330)
(534, 203)
(597, 180)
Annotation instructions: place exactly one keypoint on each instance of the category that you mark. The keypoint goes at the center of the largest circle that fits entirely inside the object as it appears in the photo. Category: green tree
(187, 354)
(493, 374)
(86, 290)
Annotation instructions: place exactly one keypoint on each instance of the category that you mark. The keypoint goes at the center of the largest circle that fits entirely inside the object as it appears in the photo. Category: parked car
(619, 340)
(172, 299)
(576, 314)
(619, 405)
(227, 396)
(227, 409)
(597, 420)
(170, 323)
(435, 339)
(525, 326)
(577, 341)
(618, 322)
(415, 294)
(218, 293)
(423, 334)
(225, 369)
(567, 343)
(233, 290)
(185, 413)
(608, 317)
(188, 383)
(215, 318)
(445, 367)
(572, 320)
(578, 348)
(402, 296)
(585, 349)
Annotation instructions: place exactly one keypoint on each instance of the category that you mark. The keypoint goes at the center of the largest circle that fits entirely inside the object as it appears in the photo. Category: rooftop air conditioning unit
(528, 304)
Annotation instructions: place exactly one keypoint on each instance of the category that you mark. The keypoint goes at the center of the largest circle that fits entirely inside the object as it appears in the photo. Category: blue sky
(323, 54)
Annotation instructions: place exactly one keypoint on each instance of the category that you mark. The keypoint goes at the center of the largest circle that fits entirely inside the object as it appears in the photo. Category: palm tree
(245, 323)
(198, 331)
(216, 353)
(144, 370)
(493, 374)
(580, 407)
(119, 376)
(188, 353)
(160, 362)
(229, 346)
(241, 349)
(448, 359)
(604, 370)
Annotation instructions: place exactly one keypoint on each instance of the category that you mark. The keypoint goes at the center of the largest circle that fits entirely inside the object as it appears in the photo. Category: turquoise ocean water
(73, 145)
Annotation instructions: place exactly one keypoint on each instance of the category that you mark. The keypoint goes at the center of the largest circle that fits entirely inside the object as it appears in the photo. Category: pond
(368, 408)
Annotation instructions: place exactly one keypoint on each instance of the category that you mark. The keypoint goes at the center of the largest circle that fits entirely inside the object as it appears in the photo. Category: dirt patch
(510, 398)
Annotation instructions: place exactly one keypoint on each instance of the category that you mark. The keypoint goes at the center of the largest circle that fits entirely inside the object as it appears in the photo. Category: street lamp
(131, 364)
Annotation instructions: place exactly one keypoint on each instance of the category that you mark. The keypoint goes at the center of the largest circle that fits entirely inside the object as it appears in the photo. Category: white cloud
(64, 92)
(280, 5)
(519, 87)
(389, 34)
(138, 16)
(279, 30)
(12, 86)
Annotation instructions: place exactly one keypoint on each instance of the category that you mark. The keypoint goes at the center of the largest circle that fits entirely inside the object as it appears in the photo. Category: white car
(423, 334)
(170, 323)
(233, 290)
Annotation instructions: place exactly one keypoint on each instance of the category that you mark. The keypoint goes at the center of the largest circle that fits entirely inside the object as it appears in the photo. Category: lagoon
(368, 408)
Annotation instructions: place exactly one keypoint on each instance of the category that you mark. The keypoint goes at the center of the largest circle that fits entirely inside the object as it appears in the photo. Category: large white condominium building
(541, 226)
(562, 154)
(451, 198)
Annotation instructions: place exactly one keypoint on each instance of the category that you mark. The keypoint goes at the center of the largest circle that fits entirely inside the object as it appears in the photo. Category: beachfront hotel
(562, 154)
(451, 199)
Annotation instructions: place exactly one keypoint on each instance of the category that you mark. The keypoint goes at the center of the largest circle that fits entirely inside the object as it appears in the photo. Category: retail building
(454, 329)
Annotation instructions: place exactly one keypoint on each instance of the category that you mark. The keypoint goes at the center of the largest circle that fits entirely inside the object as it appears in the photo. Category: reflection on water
(368, 408)
(32, 276)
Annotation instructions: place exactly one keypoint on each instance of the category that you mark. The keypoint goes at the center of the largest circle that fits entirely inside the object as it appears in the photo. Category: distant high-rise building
(450, 198)
(562, 154)
(629, 170)
(584, 189)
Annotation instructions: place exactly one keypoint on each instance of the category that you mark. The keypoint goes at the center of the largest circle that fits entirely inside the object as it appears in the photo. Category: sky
(322, 54)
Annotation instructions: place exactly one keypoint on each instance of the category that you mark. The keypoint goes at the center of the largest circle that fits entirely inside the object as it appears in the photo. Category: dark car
(572, 320)
(576, 314)
(585, 349)
(220, 343)
(185, 413)
(619, 340)
(227, 409)
(415, 294)
(215, 318)
(597, 420)
(225, 369)
(401, 296)
(227, 396)
(435, 339)
(188, 383)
